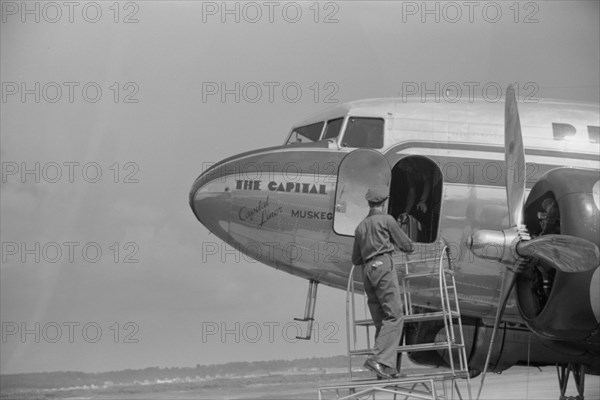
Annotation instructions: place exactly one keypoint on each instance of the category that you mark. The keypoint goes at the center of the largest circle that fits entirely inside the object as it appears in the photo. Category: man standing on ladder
(374, 241)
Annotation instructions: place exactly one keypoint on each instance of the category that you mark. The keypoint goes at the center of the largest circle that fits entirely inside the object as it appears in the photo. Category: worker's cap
(377, 194)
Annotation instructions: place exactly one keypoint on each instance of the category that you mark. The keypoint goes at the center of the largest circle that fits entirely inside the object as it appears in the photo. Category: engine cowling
(513, 345)
(561, 306)
(562, 309)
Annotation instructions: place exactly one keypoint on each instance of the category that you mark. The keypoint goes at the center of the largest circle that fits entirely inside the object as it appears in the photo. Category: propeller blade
(510, 277)
(514, 156)
(508, 283)
(562, 252)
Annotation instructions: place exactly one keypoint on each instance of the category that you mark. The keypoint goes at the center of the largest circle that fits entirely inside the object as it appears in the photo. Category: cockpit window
(364, 133)
(305, 134)
(333, 128)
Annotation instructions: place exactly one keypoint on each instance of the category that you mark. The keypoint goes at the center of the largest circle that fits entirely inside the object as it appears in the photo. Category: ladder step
(420, 275)
(412, 347)
(361, 352)
(364, 322)
(410, 290)
(419, 260)
(430, 316)
(429, 346)
(436, 376)
(449, 271)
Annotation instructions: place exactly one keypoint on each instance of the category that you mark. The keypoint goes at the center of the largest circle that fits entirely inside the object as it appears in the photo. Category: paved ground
(517, 383)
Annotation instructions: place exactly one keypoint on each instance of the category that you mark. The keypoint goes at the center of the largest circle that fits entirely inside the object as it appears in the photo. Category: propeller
(514, 156)
(514, 247)
(563, 252)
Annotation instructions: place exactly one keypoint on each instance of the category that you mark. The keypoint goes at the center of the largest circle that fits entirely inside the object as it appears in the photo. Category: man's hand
(422, 206)
(403, 218)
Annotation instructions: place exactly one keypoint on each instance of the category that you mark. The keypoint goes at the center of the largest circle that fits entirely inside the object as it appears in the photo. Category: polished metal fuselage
(278, 205)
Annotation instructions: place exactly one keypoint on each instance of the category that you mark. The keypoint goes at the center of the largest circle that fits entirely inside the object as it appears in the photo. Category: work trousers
(385, 304)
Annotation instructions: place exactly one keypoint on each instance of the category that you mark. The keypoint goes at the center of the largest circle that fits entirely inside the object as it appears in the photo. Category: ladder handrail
(446, 308)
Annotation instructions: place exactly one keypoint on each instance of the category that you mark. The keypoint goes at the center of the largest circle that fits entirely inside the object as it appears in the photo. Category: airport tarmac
(518, 383)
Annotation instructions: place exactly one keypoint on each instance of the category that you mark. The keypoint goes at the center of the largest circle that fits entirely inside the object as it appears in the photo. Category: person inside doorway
(420, 184)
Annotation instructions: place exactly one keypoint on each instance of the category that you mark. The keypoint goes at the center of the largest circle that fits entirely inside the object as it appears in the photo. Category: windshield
(333, 128)
(306, 134)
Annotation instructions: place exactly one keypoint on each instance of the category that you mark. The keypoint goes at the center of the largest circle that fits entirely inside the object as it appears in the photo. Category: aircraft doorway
(416, 192)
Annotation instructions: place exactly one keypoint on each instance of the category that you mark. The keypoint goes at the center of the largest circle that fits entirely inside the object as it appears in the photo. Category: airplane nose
(210, 200)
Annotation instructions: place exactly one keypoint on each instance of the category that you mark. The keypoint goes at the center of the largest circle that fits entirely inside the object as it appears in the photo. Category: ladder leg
(350, 319)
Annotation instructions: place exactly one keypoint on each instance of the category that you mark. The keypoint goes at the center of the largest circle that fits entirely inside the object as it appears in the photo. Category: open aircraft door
(358, 171)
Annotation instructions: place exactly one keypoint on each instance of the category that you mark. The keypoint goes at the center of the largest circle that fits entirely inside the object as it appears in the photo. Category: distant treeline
(70, 379)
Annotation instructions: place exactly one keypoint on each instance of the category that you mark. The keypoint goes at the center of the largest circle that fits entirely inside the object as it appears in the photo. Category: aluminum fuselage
(278, 205)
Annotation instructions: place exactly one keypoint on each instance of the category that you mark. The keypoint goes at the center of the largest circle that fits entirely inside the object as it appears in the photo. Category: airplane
(523, 235)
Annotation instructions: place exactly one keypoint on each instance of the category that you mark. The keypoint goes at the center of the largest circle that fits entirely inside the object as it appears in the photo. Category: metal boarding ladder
(434, 384)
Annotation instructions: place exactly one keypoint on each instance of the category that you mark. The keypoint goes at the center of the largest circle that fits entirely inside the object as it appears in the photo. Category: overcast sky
(129, 92)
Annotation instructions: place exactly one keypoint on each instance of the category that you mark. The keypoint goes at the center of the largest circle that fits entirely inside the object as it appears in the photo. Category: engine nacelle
(562, 309)
(556, 305)
(513, 345)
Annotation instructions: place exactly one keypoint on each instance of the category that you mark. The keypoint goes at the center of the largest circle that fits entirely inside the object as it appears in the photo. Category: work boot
(378, 368)
(391, 372)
